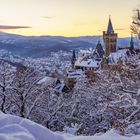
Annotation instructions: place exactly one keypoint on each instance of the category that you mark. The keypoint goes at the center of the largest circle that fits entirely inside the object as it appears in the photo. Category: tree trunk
(4, 99)
(22, 107)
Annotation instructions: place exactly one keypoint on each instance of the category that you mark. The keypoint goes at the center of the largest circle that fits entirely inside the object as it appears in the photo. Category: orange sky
(66, 17)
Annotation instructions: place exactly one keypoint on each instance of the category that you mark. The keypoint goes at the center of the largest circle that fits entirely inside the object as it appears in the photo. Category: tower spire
(110, 27)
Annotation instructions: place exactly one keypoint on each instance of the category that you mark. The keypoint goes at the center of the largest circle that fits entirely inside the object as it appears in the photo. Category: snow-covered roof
(116, 56)
(89, 63)
(74, 73)
(47, 80)
(85, 51)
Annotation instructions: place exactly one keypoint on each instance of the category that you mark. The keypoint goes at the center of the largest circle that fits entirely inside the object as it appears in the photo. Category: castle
(91, 61)
(100, 56)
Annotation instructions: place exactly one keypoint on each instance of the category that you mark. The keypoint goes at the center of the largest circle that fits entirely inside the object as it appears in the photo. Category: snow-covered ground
(16, 128)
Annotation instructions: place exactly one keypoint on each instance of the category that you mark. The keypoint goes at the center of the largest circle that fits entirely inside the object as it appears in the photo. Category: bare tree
(24, 89)
(135, 27)
(7, 74)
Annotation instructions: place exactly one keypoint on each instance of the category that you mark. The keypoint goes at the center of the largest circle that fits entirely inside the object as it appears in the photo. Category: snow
(90, 63)
(47, 80)
(59, 87)
(116, 56)
(85, 51)
(16, 128)
(86, 59)
(110, 135)
(72, 130)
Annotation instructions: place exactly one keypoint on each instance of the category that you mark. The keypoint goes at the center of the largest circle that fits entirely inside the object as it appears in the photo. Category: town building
(88, 61)
(72, 75)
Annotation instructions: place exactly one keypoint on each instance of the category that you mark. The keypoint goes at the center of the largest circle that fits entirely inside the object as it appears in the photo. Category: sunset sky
(65, 17)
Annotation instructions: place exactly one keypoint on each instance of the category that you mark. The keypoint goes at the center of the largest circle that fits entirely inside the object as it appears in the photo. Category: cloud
(9, 27)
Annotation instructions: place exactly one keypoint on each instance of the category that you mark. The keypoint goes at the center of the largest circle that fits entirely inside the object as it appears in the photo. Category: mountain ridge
(41, 46)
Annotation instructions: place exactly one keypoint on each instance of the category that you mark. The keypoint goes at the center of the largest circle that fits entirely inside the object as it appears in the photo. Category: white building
(88, 61)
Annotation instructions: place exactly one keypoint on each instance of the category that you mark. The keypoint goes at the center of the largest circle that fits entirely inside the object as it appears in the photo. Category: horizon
(57, 35)
(68, 19)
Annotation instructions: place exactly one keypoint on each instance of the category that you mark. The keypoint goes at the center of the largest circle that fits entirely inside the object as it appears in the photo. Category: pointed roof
(99, 45)
(73, 59)
(74, 55)
(99, 49)
(110, 27)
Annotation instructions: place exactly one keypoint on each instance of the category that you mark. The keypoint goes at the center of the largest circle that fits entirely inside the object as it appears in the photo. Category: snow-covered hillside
(42, 46)
(16, 128)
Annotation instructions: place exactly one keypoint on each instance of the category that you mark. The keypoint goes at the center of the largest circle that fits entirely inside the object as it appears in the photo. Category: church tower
(110, 39)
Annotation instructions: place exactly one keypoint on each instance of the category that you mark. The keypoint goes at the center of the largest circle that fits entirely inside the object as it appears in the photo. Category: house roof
(89, 63)
(116, 56)
(74, 73)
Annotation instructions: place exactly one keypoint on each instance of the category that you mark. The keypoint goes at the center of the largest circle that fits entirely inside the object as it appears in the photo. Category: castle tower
(110, 39)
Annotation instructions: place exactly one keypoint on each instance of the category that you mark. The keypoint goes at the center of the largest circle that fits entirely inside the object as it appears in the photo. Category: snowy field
(16, 128)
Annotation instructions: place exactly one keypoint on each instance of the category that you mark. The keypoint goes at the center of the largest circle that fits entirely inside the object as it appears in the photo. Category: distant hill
(41, 46)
